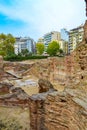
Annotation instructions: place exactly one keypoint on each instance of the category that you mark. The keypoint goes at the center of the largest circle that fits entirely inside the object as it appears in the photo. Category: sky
(34, 18)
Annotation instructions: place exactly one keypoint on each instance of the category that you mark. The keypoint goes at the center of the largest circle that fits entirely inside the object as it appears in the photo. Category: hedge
(21, 58)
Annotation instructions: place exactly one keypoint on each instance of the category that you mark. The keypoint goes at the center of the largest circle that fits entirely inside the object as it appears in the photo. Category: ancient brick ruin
(51, 109)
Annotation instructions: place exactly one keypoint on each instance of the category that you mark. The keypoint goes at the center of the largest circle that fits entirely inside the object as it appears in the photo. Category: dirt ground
(16, 116)
(30, 85)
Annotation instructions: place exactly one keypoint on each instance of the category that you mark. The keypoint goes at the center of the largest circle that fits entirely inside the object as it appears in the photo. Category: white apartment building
(24, 43)
(75, 37)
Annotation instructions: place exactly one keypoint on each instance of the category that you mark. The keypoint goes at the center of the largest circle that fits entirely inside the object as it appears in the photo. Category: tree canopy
(6, 44)
(53, 48)
(25, 52)
(40, 48)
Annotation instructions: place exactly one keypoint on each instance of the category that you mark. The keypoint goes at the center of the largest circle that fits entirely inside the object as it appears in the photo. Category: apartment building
(52, 36)
(64, 34)
(40, 40)
(75, 37)
(24, 43)
(64, 46)
(64, 40)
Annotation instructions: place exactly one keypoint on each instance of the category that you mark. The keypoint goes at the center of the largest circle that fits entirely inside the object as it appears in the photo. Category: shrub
(21, 58)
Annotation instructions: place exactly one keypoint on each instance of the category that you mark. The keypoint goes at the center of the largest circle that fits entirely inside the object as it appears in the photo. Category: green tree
(53, 48)
(40, 48)
(60, 51)
(6, 44)
(25, 52)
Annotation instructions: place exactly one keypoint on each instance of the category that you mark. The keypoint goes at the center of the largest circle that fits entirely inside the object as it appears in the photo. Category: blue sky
(34, 18)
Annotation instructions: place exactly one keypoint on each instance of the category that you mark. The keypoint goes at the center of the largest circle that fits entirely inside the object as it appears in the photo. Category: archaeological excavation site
(45, 94)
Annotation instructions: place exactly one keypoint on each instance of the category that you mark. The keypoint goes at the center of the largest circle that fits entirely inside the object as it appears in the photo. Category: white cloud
(47, 15)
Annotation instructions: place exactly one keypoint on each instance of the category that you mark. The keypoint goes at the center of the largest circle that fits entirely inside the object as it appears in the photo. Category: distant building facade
(24, 43)
(75, 37)
(56, 36)
(64, 46)
(65, 40)
(64, 35)
(68, 40)
(52, 36)
(40, 40)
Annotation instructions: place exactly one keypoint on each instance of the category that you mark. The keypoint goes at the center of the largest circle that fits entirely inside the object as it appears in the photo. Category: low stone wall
(14, 108)
(17, 66)
(54, 69)
(62, 113)
(11, 96)
(58, 111)
(37, 112)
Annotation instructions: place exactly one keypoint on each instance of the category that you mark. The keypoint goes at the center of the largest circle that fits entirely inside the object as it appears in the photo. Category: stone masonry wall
(58, 111)
(62, 113)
